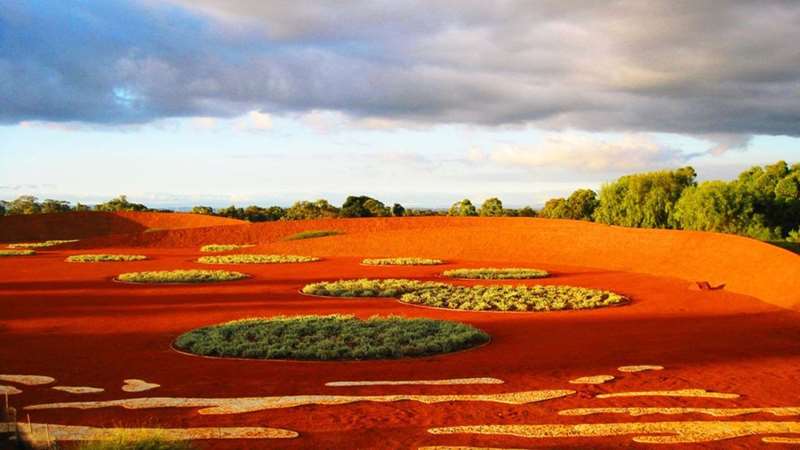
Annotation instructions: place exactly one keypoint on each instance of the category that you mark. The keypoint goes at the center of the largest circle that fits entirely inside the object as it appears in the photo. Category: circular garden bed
(104, 258)
(491, 273)
(401, 262)
(181, 276)
(255, 259)
(327, 338)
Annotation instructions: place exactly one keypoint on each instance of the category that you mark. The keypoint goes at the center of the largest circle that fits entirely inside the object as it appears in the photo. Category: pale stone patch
(252, 404)
(596, 379)
(85, 433)
(135, 385)
(417, 382)
(10, 390)
(639, 368)
(644, 432)
(677, 393)
(29, 380)
(716, 412)
(78, 389)
(780, 440)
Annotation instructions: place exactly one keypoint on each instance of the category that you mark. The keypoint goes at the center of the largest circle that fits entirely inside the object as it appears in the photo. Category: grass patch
(181, 276)
(369, 288)
(17, 252)
(104, 258)
(43, 244)
(401, 262)
(211, 248)
(255, 259)
(335, 337)
(491, 273)
(513, 298)
(472, 298)
(312, 234)
(136, 440)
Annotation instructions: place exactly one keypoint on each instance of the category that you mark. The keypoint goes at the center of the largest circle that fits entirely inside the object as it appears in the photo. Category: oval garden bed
(181, 276)
(330, 338)
(255, 259)
(16, 252)
(401, 262)
(492, 273)
(104, 258)
(471, 298)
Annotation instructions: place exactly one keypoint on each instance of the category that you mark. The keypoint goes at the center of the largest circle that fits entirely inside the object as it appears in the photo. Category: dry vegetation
(215, 248)
(312, 234)
(181, 276)
(104, 258)
(43, 244)
(491, 273)
(255, 259)
(401, 262)
(16, 252)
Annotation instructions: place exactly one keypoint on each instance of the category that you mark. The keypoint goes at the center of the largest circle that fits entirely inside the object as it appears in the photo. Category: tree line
(763, 202)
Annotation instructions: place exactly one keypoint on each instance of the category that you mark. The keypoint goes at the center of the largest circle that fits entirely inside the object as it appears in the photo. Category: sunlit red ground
(72, 322)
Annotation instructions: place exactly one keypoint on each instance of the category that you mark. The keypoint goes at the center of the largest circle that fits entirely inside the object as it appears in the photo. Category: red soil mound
(741, 264)
(80, 225)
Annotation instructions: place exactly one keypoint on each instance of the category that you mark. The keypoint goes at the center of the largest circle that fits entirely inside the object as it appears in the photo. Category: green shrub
(334, 337)
(312, 234)
(104, 258)
(181, 276)
(136, 440)
(50, 243)
(368, 288)
(17, 252)
(255, 259)
(213, 248)
(513, 298)
(401, 262)
(491, 273)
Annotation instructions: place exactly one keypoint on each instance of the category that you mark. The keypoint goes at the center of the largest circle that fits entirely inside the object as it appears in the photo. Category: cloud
(582, 152)
(696, 68)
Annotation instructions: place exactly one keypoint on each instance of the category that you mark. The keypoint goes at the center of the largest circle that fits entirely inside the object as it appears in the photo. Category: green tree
(722, 207)
(55, 206)
(120, 203)
(555, 208)
(311, 210)
(363, 206)
(376, 208)
(231, 211)
(526, 211)
(3, 204)
(398, 210)
(462, 208)
(25, 204)
(644, 200)
(581, 204)
(491, 207)
(207, 210)
(81, 207)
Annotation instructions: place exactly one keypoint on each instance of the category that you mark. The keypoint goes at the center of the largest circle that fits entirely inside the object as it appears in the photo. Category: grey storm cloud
(723, 69)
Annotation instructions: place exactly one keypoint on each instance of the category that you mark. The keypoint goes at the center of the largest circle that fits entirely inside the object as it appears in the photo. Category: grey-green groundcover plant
(181, 276)
(17, 252)
(401, 261)
(213, 248)
(245, 258)
(312, 234)
(43, 244)
(333, 337)
(473, 298)
(104, 258)
(492, 273)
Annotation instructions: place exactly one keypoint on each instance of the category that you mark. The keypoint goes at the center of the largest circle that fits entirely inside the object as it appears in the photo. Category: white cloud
(583, 152)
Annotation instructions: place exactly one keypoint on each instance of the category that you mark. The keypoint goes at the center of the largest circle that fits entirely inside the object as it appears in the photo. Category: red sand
(71, 322)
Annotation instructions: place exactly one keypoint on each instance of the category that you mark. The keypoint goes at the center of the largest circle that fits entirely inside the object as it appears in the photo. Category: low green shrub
(43, 244)
(104, 258)
(513, 298)
(368, 288)
(181, 276)
(312, 234)
(17, 252)
(491, 273)
(255, 259)
(334, 337)
(213, 248)
(401, 262)
(136, 440)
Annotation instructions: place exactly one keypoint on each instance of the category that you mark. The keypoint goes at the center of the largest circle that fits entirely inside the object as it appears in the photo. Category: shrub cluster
(401, 262)
(312, 234)
(334, 337)
(136, 440)
(17, 252)
(181, 276)
(513, 298)
(215, 248)
(369, 288)
(491, 273)
(104, 258)
(255, 259)
(43, 244)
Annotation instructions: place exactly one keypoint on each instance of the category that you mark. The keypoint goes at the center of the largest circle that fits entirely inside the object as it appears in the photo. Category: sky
(214, 102)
